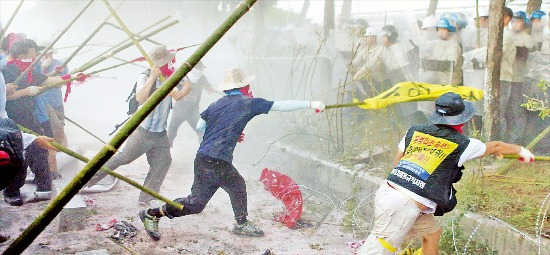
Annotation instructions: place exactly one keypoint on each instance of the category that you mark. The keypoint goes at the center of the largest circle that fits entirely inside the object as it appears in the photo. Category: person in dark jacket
(430, 159)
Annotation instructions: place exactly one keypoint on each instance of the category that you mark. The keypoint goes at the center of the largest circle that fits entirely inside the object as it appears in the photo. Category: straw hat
(235, 78)
(161, 56)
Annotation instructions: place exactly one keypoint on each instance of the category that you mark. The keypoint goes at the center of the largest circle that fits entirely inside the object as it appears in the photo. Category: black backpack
(133, 104)
(11, 142)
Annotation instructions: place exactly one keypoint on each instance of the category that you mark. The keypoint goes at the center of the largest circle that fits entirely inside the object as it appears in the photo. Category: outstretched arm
(293, 105)
(499, 148)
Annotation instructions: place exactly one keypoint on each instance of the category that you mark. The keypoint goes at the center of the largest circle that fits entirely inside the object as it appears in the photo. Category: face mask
(458, 127)
(246, 91)
(168, 69)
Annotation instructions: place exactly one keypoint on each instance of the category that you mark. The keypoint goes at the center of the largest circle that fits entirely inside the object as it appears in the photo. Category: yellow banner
(417, 91)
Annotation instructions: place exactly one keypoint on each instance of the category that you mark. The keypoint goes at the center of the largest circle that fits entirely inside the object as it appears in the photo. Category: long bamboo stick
(132, 37)
(122, 43)
(5, 28)
(45, 218)
(107, 170)
(83, 129)
(121, 29)
(75, 52)
(333, 106)
(505, 169)
(24, 73)
(61, 83)
(121, 48)
(537, 158)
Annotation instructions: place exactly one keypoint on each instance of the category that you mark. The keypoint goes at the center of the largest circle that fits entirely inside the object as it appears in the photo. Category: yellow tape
(386, 245)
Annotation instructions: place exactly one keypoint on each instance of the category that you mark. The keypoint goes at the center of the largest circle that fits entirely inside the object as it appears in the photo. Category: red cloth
(246, 91)
(13, 38)
(4, 158)
(241, 138)
(458, 127)
(285, 189)
(166, 70)
(22, 67)
(80, 78)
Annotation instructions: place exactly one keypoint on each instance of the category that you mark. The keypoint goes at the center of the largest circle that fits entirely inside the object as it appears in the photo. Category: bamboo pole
(61, 83)
(505, 169)
(123, 42)
(5, 28)
(478, 32)
(83, 129)
(45, 218)
(132, 37)
(75, 52)
(23, 74)
(121, 29)
(334, 106)
(121, 48)
(107, 170)
(537, 158)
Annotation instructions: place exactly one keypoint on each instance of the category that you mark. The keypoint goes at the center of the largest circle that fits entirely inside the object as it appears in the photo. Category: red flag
(285, 189)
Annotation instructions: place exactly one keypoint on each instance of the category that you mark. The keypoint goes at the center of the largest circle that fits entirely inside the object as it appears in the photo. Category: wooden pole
(478, 32)
(492, 72)
(75, 52)
(432, 8)
(83, 129)
(120, 48)
(46, 217)
(24, 74)
(5, 28)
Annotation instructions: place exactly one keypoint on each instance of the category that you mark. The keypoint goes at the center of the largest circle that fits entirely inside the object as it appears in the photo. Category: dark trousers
(210, 175)
(37, 159)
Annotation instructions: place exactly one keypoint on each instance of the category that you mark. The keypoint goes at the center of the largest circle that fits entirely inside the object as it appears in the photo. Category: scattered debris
(123, 230)
(103, 227)
(316, 246)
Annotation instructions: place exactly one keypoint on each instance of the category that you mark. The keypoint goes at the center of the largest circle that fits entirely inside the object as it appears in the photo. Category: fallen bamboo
(56, 205)
(75, 52)
(120, 44)
(121, 29)
(24, 73)
(107, 170)
(5, 28)
(132, 37)
(121, 48)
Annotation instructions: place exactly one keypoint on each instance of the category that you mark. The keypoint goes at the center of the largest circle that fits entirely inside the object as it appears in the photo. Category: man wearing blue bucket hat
(430, 159)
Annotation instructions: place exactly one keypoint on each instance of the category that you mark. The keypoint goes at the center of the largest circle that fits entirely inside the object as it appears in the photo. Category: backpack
(133, 104)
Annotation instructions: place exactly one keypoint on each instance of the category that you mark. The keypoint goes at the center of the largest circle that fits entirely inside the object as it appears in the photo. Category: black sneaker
(14, 201)
(151, 224)
(247, 229)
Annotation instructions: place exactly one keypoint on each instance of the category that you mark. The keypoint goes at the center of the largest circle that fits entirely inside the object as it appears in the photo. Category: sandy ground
(206, 233)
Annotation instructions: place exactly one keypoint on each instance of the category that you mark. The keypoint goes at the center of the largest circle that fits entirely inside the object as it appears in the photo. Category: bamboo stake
(132, 37)
(122, 43)
(107, 170)
(505, 169)
(61, 83)
(129, 62)
(23, 74)
(121, 29)
(83, 129)
(75, 52)
(11, 19)
(478, 32)
(45, 218)
(334, 106)
(537, 158)
(121, 48)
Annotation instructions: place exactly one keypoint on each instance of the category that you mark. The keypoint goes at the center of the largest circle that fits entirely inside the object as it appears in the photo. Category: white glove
(33, 90)
(317, 105)
(526, 156)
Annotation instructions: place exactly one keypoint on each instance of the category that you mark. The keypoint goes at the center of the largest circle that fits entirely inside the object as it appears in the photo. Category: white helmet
(371, 31)
(429, 22)
(483, 12)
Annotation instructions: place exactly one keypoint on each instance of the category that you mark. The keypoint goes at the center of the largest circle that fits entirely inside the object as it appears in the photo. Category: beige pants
(396, 218)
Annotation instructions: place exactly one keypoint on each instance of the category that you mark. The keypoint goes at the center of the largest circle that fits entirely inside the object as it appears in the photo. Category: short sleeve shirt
(226, 120)
(54, 96)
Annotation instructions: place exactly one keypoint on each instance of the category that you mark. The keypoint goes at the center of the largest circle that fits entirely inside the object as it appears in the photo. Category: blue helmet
(460, 19)
(520, 15)
(445, 23)
(537, 14)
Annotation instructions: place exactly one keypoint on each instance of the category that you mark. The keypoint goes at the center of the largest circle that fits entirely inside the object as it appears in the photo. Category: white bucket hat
(161, 56)
(429, 22)
(235, 78)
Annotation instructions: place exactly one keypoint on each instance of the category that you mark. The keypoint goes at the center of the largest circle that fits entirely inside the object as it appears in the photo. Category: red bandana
(458, 127)
(246, 91)
(166, 70)
(22, 67)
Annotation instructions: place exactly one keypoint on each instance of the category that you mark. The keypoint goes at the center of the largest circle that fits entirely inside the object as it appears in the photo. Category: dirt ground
(205, 233)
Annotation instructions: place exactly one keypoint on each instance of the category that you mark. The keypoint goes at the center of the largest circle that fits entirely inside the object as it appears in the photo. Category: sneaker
(38, 196)
(247, 229)
(4, 238)
(151, 224)
(14, 201)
